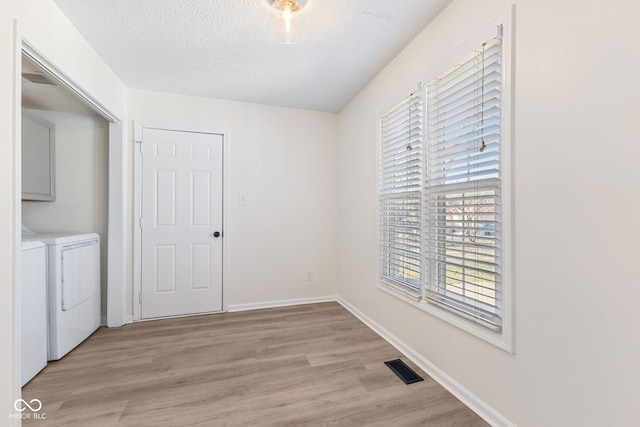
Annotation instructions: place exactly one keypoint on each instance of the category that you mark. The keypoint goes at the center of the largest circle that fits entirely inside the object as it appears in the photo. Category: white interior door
(181, 221)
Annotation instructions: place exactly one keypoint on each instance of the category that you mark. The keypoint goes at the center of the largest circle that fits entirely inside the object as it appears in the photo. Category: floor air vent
(403, 372)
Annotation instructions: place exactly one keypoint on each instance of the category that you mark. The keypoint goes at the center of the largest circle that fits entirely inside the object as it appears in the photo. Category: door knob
(216, 234)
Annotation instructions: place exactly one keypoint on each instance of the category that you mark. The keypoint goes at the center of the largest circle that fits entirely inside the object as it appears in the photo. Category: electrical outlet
(309, 275)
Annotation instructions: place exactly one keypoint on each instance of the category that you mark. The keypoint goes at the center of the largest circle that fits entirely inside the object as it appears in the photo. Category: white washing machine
(33, 310)
(73, 284)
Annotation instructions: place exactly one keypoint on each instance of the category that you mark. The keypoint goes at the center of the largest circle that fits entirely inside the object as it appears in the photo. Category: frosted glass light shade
(289, 31)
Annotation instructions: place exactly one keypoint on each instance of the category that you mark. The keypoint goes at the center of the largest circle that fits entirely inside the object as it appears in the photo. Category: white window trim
(399, 290)
(503, 339)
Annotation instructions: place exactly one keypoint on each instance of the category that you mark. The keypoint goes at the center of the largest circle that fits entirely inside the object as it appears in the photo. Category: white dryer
(33, 310)
(73, 284)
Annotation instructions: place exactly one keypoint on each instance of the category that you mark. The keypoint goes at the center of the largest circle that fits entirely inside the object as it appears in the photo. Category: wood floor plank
(307, 365)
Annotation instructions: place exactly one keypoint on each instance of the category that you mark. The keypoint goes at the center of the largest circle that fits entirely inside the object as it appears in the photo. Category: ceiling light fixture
(285, 29)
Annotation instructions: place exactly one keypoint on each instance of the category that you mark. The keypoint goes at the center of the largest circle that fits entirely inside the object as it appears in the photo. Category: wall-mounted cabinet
(38, 158)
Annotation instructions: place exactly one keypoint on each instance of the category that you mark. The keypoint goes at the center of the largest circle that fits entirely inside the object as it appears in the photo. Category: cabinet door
(38, 158)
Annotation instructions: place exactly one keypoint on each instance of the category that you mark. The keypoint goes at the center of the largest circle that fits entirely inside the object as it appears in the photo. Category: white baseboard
(281, 303)
(125, 320)
(477, 405)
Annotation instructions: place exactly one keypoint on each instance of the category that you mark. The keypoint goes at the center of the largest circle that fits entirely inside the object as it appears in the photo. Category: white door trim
(138, 127)
(11, 382)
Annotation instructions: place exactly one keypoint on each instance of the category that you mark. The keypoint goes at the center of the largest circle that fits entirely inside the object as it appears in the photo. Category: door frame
(138, 127)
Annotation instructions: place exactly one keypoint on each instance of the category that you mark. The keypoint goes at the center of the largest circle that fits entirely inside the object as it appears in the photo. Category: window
(442, 192)
(463, 186)
(400, 193)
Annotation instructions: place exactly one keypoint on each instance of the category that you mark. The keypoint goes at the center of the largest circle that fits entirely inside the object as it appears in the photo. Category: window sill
(400, 291)
(501, 340)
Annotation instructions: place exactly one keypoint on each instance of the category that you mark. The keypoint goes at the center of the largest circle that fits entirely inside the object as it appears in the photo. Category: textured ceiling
(222, 48)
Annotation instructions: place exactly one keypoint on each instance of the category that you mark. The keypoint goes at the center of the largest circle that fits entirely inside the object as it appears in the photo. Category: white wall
(81, 183)
(44, 26)
(9, 384)
(284, 161)
(576, 187)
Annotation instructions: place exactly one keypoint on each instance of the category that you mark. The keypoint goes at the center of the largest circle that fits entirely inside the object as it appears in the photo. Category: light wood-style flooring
(307, 365)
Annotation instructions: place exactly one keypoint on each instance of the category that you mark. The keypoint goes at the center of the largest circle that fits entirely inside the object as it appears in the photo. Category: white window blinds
(463, 187)
(400, 192)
